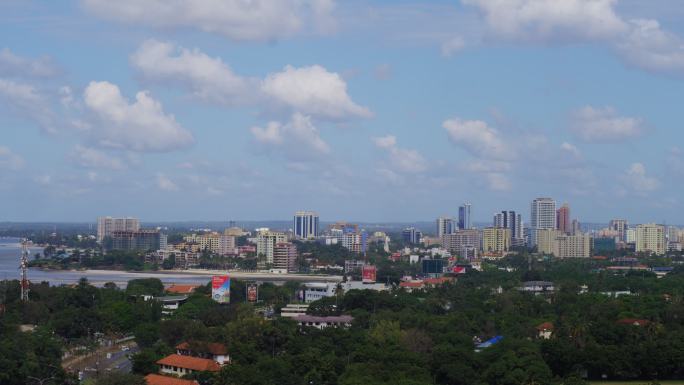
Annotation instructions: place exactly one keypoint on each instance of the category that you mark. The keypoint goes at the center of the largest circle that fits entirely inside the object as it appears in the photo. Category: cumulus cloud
(313, 91)
(649, 47)
(207, 78)
(298, 139)
(478, 138)
(545, 20)
(603, 124)
(166, 184)
(139, 126)
(636, 179)
(12, 64)
(93, 158)
(26, 100)
(401, 159)
(262, 20)
(9, 160)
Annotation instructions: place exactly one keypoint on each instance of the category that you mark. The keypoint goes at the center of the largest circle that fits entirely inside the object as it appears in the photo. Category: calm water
(10, 251)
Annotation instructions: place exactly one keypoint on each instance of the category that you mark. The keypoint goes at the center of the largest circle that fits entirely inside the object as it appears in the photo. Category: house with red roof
(545, 330)
(181, 289)
(634, 321)
(179, 365)
(210, 350)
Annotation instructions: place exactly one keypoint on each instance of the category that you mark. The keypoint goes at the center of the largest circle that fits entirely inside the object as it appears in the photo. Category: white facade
(542, 216)
(445, 225)
(107, 225)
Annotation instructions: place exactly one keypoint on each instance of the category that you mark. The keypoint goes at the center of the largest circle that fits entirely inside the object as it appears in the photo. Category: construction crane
(23, 265)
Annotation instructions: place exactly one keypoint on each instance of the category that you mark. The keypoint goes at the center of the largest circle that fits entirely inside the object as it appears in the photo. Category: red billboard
(252, 292)
(369, 273)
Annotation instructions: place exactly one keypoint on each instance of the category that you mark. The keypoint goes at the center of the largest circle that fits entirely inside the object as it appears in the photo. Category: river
(10, 250)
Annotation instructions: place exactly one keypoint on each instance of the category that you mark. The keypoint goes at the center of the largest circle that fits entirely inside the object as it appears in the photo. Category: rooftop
(214, 348)
(330, 319)
(187, 362)
(181, 289)
(156, 379)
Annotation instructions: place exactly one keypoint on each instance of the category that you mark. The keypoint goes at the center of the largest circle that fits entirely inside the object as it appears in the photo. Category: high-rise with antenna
(23, 265)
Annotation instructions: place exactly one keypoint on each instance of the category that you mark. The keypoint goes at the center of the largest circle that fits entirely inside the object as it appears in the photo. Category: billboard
(369, 273)
(252, 292)
(220, 288)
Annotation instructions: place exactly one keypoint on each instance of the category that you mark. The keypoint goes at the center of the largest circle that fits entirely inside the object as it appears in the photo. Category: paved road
(99, 364)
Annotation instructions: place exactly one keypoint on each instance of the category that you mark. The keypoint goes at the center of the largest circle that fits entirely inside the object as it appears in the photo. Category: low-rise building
(157, 379)
(209, 350)
(179, 365)
(343, 321)
(294, 310)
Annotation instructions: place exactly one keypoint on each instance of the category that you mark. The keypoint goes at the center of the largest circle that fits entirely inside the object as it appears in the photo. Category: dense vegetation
(423, 337)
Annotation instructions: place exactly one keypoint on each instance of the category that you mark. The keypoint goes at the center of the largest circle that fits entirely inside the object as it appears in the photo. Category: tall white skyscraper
(107, 225)
(305, 225)
(464, 221)
(445, 225)
(542, 216)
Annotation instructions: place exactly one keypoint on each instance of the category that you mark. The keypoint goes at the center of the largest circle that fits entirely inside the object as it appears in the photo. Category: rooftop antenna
(23, 265)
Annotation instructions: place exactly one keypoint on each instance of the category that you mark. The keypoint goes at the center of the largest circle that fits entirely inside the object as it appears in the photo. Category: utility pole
(23, 265)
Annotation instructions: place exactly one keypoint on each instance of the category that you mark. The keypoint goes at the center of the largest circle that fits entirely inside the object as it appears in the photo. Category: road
(98, 363)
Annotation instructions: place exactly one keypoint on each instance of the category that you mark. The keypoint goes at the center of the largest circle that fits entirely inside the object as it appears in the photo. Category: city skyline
(237, 113)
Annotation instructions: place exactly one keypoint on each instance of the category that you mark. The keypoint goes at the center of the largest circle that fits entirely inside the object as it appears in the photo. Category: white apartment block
(107, 225)
(266, 241)
(216, 243)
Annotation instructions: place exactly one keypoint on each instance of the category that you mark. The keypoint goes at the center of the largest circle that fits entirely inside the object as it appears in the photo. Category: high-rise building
(572, 246)
(542, 217)
(142, 240)
(216, 243)
(445, 225)
(305, 225)
(619, 225)
(411, 235)
(266, 242)
(513, 221)
(461, 241)
(496, 239)
(285, 257)
(546, 240)
(650, 238)
(563, 223)
(107, 225)
(464, 221)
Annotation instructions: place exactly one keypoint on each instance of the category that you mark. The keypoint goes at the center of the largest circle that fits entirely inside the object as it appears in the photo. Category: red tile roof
(545, 326)
(634, 321)
(411, 284)
(156, 379)
(437, 281)
(182, 289)
(214, 348)
(187, 362)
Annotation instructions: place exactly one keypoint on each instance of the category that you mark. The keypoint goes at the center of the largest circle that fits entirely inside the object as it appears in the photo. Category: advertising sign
(369, 274)
(220, 288)
(252, 292)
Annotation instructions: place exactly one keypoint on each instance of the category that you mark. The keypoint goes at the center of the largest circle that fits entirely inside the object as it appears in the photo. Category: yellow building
(546, 240)
(496, 239)
(572, 246)
(650, 238)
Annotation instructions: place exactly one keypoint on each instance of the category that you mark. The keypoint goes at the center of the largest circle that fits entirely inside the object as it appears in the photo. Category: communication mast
(23, 265)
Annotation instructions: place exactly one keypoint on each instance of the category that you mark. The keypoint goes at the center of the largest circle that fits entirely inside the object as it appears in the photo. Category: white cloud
(401, 159)
(596, 124)
(452, 46)
(649, 47)
(313, 91)
(92, 158)
(546, 20)
(571, 150)
(476, 137)
(166, 184)
(9, 160)
(298, 139)
(208, 78)
(139, 126)
(262, 20)
(27, 101)
(636, 179)
(15, 65)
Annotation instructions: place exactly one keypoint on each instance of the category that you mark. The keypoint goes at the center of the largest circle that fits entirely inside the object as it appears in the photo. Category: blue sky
(360, 110)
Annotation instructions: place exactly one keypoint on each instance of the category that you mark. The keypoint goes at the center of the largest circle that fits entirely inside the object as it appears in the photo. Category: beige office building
(267, 241)
(546, 240)
(496, 239)
(572, 246)
(650, 238)
(106, 226)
